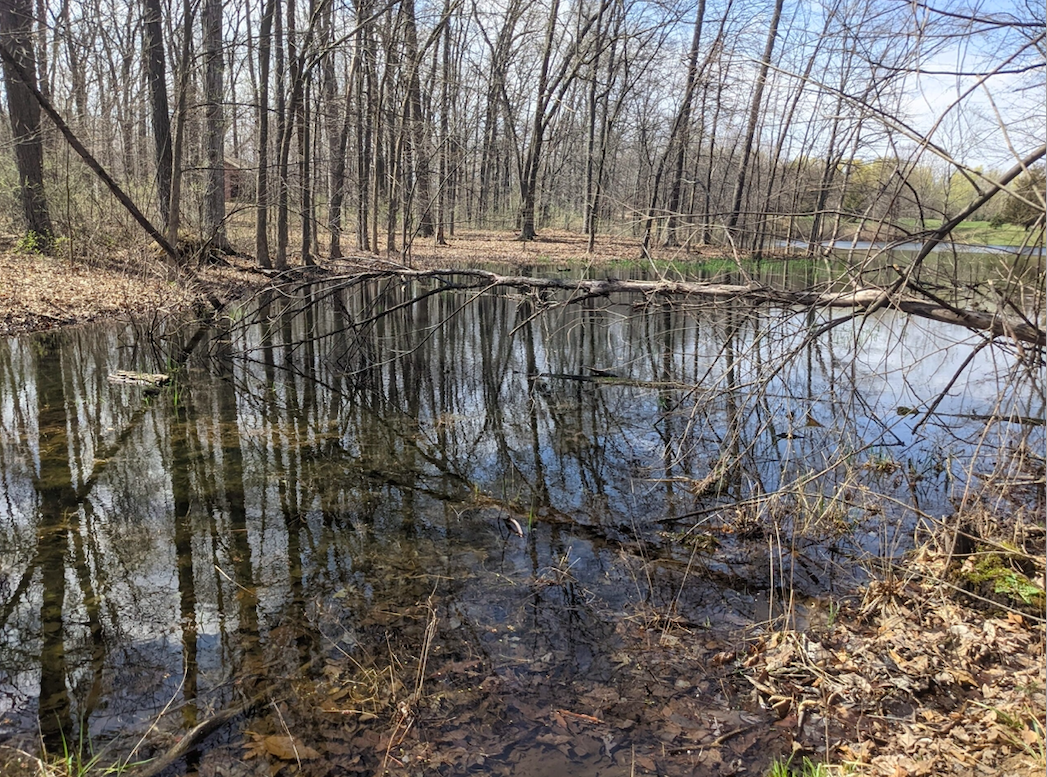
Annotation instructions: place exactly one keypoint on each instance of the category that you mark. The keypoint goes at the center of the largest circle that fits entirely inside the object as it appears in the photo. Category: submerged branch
(863, 299)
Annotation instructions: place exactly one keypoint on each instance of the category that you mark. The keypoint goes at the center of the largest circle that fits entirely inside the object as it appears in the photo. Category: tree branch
(864, 299)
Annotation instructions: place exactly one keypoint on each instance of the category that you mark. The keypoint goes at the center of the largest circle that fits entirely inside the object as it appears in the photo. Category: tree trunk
(16, 19)
(299, 73)
(529, 174)
(363, 87)
(337, 139)
(305, 145)
(177, 145)
(214, 129)
(488, 199)
(156, 78)
(683, 141)
(754, 115)
(677, 136)
(417, 146)
(445, 107)
(261, 223)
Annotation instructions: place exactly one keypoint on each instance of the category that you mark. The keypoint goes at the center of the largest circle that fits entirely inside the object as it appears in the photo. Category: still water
(318, 521)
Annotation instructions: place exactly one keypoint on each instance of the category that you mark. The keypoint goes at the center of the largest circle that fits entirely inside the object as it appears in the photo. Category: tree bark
(754, 115)
(261, 224)
(442, 195)
(156, 78)
(417, 146)
(178, 143)
(16, 20)
(678, 136)
(683, 141)
(529, 173)
(214, 125)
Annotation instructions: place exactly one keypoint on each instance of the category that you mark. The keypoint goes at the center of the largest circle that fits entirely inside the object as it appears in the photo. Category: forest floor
(914, 677)
(40, 292)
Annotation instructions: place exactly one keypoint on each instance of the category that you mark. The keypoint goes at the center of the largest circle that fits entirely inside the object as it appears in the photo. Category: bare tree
(678, 140)
(261, 231)
(156, 78)
(754, 115)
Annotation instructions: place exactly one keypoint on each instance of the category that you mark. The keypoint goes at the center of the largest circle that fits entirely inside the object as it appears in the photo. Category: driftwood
(860, 300)
(147, 379)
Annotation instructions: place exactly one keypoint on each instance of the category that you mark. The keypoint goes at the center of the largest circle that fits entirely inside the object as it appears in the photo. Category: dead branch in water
(860, 300)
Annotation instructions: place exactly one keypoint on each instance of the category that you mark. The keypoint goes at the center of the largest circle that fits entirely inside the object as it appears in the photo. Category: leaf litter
(904, 681)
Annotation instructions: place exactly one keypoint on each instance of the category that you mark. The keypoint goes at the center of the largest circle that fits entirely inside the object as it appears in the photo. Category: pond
(461, 533)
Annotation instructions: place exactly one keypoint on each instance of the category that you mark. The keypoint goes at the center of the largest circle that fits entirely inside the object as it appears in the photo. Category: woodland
(292, 130)
(649, 282)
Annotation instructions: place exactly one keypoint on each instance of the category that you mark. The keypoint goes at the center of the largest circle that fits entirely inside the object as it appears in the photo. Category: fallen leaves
(920, 684)
(277, 750)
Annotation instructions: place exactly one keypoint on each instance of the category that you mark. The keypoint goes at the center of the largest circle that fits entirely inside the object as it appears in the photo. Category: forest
(519, 387)
(290, 130)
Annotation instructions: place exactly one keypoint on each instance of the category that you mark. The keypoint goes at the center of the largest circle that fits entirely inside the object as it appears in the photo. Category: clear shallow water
(331, 471)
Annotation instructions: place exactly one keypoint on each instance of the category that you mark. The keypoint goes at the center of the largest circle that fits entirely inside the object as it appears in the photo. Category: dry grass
(552, 248)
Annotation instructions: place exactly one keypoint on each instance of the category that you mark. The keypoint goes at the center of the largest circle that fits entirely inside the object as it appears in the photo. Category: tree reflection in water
(327, 463)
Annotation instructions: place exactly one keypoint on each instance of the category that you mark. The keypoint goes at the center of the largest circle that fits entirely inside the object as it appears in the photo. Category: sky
(989, 120)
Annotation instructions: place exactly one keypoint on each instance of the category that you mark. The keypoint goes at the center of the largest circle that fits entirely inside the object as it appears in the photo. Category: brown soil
(43, 292)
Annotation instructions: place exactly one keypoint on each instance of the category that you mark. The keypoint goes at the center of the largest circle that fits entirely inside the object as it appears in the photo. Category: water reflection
(332, 470)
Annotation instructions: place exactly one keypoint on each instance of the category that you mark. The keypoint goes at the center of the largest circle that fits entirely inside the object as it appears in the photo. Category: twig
(195, 737)
(718, 742)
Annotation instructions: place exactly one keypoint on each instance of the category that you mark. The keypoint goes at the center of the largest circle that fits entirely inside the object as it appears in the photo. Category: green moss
(993, 575)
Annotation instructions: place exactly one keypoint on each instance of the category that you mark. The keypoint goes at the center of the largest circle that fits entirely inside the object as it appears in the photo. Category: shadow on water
(468, 534)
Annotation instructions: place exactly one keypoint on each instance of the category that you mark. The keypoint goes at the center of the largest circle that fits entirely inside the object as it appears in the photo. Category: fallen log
(862, 299)
(147, 379)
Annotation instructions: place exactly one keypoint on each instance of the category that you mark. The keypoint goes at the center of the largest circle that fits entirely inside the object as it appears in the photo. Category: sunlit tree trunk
(363, 90)
(416, 148)
(489, 197)
(305, 145)
(683, 141)
(337, 128)
(261, 228)
(754, 116)
(532, 160)
(597, 126)
(156, 78)
(282, 130)
(214, 125)
(16, 21)
(443, 195)
(678, 137)
(180, 117)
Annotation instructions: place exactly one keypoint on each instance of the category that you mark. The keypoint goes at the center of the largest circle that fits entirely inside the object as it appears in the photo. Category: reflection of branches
(864, 299)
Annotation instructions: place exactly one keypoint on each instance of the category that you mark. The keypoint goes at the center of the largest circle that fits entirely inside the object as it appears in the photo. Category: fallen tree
(1015, 326)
